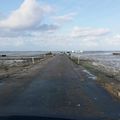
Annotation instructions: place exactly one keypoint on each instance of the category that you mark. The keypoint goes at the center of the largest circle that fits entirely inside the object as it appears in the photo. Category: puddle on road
(91, 76)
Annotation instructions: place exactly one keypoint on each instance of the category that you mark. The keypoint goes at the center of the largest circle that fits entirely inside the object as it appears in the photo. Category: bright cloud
(89, 32)
(64, 18)
(113, 41)
(28, 15)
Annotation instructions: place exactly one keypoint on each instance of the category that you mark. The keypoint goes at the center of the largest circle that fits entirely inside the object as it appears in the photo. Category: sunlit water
(105, 59)
(22, 53)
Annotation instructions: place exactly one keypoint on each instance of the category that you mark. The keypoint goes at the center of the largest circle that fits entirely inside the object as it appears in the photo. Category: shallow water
(22, 53)
(105, 59)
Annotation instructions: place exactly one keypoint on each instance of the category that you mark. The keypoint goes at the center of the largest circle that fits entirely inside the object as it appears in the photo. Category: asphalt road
(65, 90)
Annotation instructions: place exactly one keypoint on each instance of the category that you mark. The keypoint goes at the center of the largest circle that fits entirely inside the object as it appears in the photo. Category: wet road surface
(64, 90)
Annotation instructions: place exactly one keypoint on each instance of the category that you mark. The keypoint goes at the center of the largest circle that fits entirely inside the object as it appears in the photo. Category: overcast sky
(59, 25)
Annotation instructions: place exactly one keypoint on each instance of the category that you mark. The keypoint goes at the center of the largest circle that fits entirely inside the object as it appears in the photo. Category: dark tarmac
(62, 89)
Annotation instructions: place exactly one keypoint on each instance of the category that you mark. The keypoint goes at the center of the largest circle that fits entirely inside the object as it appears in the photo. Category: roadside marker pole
(33, 60)
(78, 59)
(71, 56)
